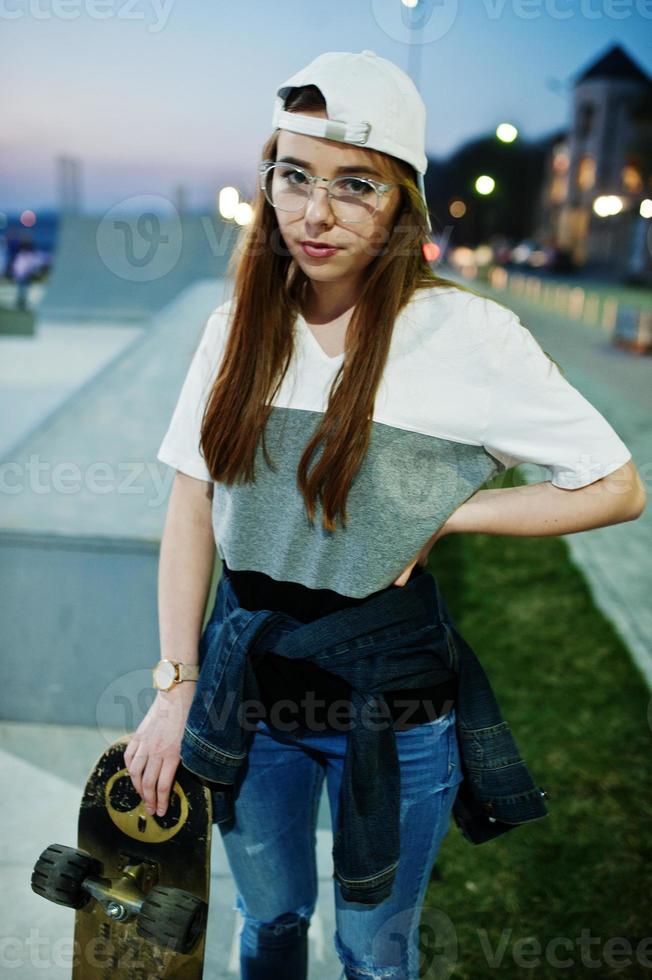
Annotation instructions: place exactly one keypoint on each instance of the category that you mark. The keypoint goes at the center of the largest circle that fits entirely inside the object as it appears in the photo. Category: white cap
(370, 102)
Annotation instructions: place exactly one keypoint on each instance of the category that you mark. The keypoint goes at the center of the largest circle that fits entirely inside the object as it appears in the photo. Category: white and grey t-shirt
(466, 393)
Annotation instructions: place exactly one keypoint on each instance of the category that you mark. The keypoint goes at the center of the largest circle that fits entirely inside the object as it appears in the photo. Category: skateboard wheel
(172, 918)
(59, 873)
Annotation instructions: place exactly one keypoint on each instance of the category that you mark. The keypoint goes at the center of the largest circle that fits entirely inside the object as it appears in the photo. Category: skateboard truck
(164, 915)
(122, 898)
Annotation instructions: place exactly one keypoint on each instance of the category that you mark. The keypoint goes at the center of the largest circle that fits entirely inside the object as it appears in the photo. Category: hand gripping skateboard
(139, 882)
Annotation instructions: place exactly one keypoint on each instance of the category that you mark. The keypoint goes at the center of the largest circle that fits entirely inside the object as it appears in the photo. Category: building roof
(615, 63)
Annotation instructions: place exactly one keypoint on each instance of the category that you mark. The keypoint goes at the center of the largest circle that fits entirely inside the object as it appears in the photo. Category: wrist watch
(168, 673)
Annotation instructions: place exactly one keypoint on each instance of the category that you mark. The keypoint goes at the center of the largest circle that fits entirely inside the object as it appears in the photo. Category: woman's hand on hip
(422, 557)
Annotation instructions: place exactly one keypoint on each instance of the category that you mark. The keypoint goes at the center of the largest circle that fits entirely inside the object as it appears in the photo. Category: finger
(165, 783)
(405, 574)
(130, 750)
(150, 779)
(137, 767)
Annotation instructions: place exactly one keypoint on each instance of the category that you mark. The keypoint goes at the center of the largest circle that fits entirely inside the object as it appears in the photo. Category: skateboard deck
(139, 882)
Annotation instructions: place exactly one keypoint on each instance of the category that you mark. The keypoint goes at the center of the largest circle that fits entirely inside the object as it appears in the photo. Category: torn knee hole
(290, 923)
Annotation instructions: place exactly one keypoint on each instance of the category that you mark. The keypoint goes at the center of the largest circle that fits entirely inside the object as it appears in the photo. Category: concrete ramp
(126, 267)
(80, 530)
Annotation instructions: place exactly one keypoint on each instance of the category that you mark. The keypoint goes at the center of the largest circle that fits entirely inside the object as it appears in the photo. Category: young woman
(340, 415)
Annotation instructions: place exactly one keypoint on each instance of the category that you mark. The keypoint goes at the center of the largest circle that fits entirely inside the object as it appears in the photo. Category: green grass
(579, 711)
(17, 322)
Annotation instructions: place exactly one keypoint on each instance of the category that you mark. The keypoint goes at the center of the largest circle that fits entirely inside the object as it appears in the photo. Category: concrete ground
(45, 766)
(38, 373)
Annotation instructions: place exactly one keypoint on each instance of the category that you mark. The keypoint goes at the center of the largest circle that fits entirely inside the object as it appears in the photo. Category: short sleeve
(536, 416)
(180, 447)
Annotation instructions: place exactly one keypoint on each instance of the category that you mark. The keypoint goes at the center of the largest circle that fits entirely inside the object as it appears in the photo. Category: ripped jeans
(271, 852)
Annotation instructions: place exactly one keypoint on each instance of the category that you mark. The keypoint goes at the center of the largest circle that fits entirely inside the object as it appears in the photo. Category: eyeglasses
(289, 188)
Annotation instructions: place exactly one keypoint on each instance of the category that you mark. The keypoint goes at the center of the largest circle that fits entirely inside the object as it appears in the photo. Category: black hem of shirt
(283, 680)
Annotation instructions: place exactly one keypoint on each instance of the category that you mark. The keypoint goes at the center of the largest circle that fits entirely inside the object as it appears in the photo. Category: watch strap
(188, 672)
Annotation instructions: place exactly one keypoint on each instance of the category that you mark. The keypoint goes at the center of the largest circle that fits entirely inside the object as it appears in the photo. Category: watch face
(164, 674)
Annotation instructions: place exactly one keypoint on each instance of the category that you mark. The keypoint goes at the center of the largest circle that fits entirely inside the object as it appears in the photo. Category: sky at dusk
(149, 95)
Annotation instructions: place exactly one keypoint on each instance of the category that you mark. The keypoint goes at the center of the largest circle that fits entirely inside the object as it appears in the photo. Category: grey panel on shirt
(407, 486)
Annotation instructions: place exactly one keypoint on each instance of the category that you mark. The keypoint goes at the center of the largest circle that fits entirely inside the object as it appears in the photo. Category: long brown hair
(269, 293)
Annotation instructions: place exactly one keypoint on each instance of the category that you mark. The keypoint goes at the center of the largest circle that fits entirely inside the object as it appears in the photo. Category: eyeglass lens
(352, 198)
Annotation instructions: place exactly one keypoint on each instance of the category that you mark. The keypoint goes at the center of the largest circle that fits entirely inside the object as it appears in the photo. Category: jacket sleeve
(536, 416)
(180, 446)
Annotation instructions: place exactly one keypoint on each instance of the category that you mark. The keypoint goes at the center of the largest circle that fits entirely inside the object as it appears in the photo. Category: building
(597, 194)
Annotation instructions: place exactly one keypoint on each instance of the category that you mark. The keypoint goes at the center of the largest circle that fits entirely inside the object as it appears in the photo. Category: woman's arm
(186, 561)
(539, 509)
(186, 564)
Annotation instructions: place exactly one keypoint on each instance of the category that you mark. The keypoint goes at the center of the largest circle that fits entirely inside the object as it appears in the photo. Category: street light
(228, 201)
(243, 213)
(506, 133)
(607, 204)
(485, 184)
(416, 23)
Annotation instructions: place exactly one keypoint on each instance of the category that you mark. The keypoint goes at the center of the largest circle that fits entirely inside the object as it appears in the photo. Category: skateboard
(139, 883)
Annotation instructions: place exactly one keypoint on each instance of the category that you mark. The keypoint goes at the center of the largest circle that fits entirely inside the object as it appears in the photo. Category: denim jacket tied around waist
(398, 639)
